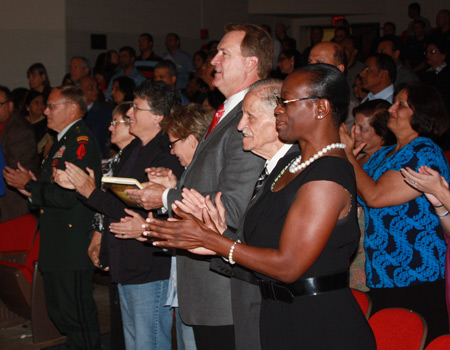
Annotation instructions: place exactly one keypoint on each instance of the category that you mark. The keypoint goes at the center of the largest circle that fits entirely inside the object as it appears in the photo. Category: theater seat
(440, 343)
(22, 290)
(364, 301)
(399, 329)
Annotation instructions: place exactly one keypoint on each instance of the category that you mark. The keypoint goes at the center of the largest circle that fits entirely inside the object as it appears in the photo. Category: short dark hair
(387, 63)
(40, 68)
(256, 42)
(339, 56)
(429, 113)
(128, 49)
(191, 119)
(173, 72)
(377, 112)
(203, 55)
(126, 86)
(419, 21)
(440, 44)
(345, 29)
(31, 95)
(396, 42)
(392, 24)
(414, 6)
(7, 93)
(177, 37)
(75, 95)
(293, 53)
(122, 109)
(328, 82)
(160, 96)
(148, 36)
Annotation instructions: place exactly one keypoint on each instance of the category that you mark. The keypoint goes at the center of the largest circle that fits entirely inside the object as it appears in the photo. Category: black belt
(305, 287)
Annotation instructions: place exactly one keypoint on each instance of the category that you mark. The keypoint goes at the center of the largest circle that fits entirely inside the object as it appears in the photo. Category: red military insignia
(54, 162)
(81, 151)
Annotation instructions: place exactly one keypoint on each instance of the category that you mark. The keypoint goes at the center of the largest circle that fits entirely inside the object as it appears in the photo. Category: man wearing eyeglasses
(17, 141)
(65, 222)
(219, 164)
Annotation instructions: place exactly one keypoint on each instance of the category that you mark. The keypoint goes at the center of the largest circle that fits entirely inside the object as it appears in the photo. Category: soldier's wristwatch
(27, 186)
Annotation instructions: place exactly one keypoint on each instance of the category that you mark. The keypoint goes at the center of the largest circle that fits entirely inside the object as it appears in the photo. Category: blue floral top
(404, 244)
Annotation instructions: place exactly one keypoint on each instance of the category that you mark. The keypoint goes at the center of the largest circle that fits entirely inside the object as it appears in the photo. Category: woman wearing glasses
(140, 270)
(302, 230)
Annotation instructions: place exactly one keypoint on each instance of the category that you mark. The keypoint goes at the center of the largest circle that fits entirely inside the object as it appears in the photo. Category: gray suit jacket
(219, 164)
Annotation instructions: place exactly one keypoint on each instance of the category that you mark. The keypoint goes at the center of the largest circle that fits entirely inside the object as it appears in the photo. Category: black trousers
(214, 337)
(71, 306)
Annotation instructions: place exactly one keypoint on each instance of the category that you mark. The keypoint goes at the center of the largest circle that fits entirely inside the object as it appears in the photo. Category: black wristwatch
(27, 186)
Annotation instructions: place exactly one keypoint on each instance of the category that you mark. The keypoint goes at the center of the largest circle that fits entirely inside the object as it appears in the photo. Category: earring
(320, 117)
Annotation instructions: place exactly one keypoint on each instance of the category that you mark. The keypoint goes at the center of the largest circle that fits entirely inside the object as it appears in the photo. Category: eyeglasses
(114, 122)
(282, 102)
(136, 108)
(368, 69)
(2, 103)
(172, 143)
(51, 106)
(431, 52)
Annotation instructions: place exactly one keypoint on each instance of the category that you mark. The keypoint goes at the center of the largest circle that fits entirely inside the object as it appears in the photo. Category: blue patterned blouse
(404, 244)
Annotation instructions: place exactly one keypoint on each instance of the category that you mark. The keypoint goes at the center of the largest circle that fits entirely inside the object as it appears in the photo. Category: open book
(119, 184)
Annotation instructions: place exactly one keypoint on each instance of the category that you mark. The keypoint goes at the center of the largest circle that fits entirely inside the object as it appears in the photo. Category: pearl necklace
(296, 166)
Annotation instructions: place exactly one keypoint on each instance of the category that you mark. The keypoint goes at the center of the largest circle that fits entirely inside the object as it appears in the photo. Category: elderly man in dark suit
(219, 164)
(17, 141)
(65, 221)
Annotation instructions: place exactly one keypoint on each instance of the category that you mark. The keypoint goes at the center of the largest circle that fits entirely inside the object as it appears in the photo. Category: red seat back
(17, 234)
(364, 301)
(399, 329)
(440, 343)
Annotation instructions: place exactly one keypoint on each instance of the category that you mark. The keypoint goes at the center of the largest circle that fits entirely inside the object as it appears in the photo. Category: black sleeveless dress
(331, 320)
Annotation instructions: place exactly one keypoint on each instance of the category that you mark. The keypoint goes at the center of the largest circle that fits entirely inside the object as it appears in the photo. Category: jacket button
(42, 211)
(70, 225)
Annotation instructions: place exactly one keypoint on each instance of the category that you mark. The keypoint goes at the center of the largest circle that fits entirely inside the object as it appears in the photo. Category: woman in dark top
(303, 230)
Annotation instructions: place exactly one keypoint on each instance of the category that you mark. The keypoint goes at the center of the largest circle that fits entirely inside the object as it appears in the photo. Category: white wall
(31, 31)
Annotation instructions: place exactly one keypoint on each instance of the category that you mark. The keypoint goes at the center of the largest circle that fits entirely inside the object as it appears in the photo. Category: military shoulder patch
(83, 138)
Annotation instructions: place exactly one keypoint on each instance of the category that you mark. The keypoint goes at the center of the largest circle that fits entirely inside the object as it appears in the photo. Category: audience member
(148, 59)
(414, 56)
(182, 59)
(354, 66)
(414, 13)
(340, 34)
(289, 242)
(122, 90)
(198, 59)
(220, 164)
(64, 221)
(443, 26)
(34, 107)
(126, 62)
(391, 46)
(281, 35)
(18, 144)
(98, 115)
(405, 249)
(378, 77)
(166, 71)
(79, 67)
(38, 79)
(288, 61)
(389, 28)
(316, 37)
(140, 270)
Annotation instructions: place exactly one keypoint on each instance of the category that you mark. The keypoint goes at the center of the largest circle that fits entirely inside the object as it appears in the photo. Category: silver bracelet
(443, 215)
(230, 254)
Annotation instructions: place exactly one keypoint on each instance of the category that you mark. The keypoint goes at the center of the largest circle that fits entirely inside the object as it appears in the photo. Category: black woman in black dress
(303, 230)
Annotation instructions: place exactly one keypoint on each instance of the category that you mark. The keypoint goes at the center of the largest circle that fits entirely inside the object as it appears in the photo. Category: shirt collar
(63, 131)
(272, 162)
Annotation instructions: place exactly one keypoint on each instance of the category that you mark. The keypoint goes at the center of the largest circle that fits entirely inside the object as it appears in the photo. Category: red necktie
(216, 119)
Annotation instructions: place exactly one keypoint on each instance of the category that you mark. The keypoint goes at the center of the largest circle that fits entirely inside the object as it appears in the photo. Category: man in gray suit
(219, 164)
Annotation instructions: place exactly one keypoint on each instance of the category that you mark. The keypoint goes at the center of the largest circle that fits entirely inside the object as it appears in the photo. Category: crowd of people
(271, 177)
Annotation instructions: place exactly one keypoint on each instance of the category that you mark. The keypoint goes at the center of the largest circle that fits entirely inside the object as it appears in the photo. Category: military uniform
(65, 227)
